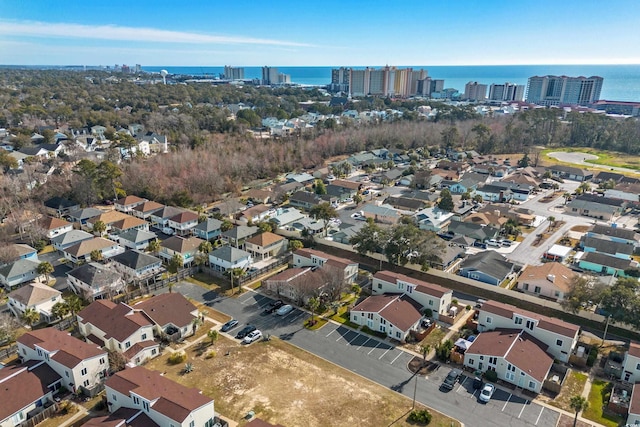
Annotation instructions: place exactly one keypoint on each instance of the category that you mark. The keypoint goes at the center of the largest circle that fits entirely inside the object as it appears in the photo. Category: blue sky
(329, 32)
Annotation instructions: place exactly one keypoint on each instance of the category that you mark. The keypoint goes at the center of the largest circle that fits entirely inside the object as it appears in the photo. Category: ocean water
(621, 82)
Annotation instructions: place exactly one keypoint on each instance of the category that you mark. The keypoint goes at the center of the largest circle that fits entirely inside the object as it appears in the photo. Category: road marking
(331, 332)
(540, 414)
(379, 342)
(524, 405)
(339, 338)
(244, 301)
(357, 336)
(368, 339)
(461, 384)
(384, 353)
(399, 354)
(296, 317)
(474, 393)
(505, 403)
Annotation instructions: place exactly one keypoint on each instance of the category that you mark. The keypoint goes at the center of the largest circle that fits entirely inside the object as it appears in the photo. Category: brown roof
(257, 422)
(69, 350)
(138, 347)
(168, 308)
(398, 310)
(50, 223)
(346, 184)
(130, 200)
(118, 321)
(256, 210)
(19, 387)
(128, 222)
(87, 246)
(183, 217)
(288, 274)
(34, 293)
(563, 274)
(421, 286)
(337, 261)
(265, 239)
(634, 406)
(108, 217)
(117, 419)
(149, 206)
(634, 349)
(172, 400)
(182, 245)
(548, 323)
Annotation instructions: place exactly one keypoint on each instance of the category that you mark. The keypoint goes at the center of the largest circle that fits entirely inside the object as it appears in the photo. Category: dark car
(245, 331)
(229, 325)
(273, 306)
(477, 383)
(451, 379)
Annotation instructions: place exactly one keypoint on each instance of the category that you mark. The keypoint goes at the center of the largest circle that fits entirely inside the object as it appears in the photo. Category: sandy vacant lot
(286, 385)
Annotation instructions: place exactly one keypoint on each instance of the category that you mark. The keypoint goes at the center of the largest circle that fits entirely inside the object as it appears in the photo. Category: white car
(487, 392)
(493, 242)
(284, 310)
(253, 336)
(168, 231)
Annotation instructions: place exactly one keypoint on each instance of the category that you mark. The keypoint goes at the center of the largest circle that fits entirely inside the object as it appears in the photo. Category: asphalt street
(377, 360)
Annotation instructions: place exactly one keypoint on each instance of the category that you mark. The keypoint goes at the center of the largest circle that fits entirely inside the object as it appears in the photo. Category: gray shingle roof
(137, 236)
(18, 268)
(135, 259)
(607, 260)
(488, 262)
(229, 254)
(209, 225)
(607, 246)
(95, 275)
(240, 232)
(71, 237)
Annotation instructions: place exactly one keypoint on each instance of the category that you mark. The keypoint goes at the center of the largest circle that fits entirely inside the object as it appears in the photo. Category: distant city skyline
(328, 33)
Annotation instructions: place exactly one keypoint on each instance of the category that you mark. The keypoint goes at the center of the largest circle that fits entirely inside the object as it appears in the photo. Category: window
(398, 335)
(559, 343)
(488, 320)
(379, 285)
(102, 360)
(66, 373)
(471, 362)
(39, 352)
(113, 397)
(481, 357)
(532, 385)
(431, 302)
(638, 367)
(145, 405)
(556, 294)
(525, 286)
(518, 320)
(153, 351)
(144, 336)
(536, 290)
(383, 322)
(474, 276)
(86, 383)
(84, 371)
(493, 360)
(410, 289)
(192, 424)
(136, 400)
(127, 344)
(401, 286)
(530, 324)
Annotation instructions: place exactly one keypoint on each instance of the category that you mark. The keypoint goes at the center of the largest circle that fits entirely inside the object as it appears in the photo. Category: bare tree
(333, 282)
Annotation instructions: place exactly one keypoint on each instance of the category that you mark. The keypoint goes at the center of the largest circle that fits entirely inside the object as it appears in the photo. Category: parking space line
(296, 317)
(473, 395)
(540, 414)
(368, 339)
(400, 354)
(339, 338)
(461, 384)
(379, 342)
(357, 336)
(244, 301)
(505, 403)
(385, 353)
(524, 405)
(331, 332)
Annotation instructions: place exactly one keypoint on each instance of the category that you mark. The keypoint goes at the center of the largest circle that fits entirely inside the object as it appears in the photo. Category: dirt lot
(284, 384)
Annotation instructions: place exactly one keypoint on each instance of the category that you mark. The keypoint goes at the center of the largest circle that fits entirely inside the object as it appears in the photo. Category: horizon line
(320, 66)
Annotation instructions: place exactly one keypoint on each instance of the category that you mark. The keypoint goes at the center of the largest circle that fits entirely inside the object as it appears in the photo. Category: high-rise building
(506, 92)
(340, 79)
(474, 91)
(359, 82)
(269, 75)
(233, 73)
(284, 78)
(386, 81)
(138, 68)
(563, 90)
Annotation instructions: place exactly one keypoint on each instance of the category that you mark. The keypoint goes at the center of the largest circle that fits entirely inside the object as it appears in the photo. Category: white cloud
(119, 33)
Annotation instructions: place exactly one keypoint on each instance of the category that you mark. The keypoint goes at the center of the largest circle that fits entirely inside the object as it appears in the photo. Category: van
(493, 242)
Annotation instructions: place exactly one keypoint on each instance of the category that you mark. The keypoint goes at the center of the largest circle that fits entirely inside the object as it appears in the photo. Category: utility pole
(606, 327)
(415, 390)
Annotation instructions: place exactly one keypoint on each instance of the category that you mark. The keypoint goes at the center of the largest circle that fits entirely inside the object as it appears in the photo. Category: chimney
(551, 277)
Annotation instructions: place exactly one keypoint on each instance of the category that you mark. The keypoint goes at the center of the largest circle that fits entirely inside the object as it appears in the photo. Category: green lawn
(434, 338)
(599, 394)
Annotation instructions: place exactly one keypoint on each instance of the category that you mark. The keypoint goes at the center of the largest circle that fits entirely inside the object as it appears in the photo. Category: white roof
(559, 250)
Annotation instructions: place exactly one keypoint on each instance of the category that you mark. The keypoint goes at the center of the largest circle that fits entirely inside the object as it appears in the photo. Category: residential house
(605, 264)
(302, 178)
(314, 258)
(631, 364)
(119, 328)
(82, 366)
(81, 252)
(59, 206)
(151, 399)
(487, 266)
(633, 418)
(447, 257)
(25, 391)
(570, 173)
(137, 265)
(428, 295)
(474, 231)
(468, 183)
(144, 210)
(128, 203)
(172, 314)
(384, 214)
(405, 204)
(187, 248)
(595, 206)
(346, 232)
(495, 193)
(256, 214)
(228, 258)
(395, 315)
(605, 176)
(73, 237)
(626, 192)
(343, 189)
(183, 223)
(550, 280)
(289, 188)
(160, 218)
(518, 191)
(208, 230)
(266, 245)
(258, 196)
(18, 272)
(433, 219)
(513, 354)
(95, 281)
(36, 296)
(129, 223)
(561, 337)
(615, 234)
(55, 226)
(305, 200)
(108, 218)
(23, 251)
(285, 217)
(136, 239)
(237, 235)
(81, 216)
(297, 284)
(606, 246)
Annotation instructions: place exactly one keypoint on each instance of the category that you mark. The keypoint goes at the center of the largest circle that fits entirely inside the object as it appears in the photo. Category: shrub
(491, 376)
(593, 355)
(420, 416)
(428, 312)
(177, 357)
(210, 354)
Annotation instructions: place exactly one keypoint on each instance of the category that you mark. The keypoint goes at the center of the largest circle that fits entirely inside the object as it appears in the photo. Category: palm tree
(31, 316)
(578, 404)
(96, 255)
(201, 259)
(294, 245)
(552, 222)
(60, 310)
(314, 304)
(205, 247)
(154, 246)
(212, 335)
(74, 303)
(425, 349)
(45, 268)
(99, 227)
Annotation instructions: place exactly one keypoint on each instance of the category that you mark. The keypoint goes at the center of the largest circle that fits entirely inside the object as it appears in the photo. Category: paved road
(378, 361)
(579, 159)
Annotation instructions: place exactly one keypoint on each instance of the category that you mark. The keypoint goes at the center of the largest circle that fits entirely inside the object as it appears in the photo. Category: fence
(6, 353)
(40, 417)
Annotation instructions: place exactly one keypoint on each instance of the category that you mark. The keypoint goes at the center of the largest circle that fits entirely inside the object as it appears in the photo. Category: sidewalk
(82, 412)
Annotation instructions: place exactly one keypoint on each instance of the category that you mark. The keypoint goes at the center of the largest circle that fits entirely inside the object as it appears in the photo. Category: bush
(177, 357)
(420, 416)
(593, 355)
(210, 354)
(443, 350)
(491, 376)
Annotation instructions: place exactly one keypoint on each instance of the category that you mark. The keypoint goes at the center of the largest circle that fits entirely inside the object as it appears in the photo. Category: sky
(319, 33)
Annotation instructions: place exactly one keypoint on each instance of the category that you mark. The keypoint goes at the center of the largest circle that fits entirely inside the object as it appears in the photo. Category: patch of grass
(343, 317)
(368, 330)
(206, 281)
(319, 323)
(212, 313)
(255, 285)
(573, 385)
(598, 397)
(434, 338)
(47, 249)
